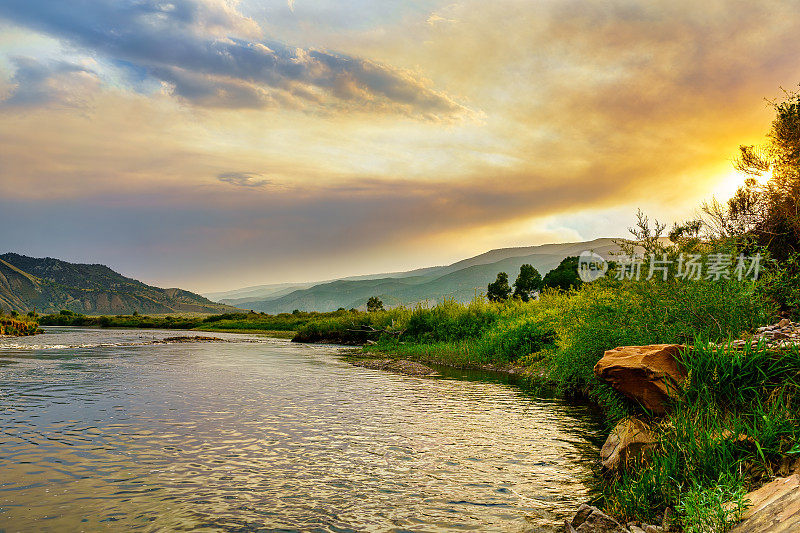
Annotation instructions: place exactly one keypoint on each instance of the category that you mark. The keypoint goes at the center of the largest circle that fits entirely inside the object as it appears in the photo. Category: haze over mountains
(50, 285)
(460, 281)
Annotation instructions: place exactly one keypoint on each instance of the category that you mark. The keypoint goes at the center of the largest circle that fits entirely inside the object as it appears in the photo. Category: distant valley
(460, 281)
(49, 285)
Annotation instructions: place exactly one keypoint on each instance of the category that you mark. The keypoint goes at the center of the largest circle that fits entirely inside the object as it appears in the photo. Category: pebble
(783, 334)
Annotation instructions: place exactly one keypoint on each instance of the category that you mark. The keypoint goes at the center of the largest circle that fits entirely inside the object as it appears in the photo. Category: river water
(107, 430)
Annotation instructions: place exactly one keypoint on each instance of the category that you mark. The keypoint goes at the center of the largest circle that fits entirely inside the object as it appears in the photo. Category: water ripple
(106, 430)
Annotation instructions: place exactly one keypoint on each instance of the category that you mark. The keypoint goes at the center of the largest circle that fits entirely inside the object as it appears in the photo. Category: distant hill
(460, 281)
(49, 285)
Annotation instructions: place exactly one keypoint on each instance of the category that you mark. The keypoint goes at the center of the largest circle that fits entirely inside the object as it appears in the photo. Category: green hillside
(49, 285)
(459, 281)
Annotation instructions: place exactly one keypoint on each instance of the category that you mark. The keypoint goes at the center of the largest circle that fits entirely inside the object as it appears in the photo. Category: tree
(499, 290)
(765, 212)
(528, 282)
(564, 276)
(374, 304)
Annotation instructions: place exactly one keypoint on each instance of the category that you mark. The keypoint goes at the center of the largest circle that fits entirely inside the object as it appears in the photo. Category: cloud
(209, 54)
(588, 108)
(44, 83)
(243, 179)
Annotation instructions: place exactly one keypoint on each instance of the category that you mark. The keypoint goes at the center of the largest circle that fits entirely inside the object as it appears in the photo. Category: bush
(518, 337)
(781, 285)
(448, 321)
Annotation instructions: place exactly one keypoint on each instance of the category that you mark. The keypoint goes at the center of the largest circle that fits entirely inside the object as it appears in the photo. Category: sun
(730, 181)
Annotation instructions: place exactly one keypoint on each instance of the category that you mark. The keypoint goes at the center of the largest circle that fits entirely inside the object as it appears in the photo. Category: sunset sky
(212, 144)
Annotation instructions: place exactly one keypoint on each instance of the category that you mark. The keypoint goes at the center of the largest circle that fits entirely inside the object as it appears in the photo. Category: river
(107, 430)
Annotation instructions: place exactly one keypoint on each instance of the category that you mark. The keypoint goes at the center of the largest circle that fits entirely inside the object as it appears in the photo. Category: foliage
(734, 421)
(764, 212)
(528, 282)
(499, 290)
(707, 510)
(781, 284)
(243, 322)
(374, 304)
(609, 313)
(17, 326)
(564, 276)
(448, 321)
(646, 237)
(517, 337)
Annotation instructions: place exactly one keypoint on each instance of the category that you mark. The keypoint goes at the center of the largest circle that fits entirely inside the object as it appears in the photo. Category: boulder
(649, 375)
(629, 442)
(590, 519)
(774, 508)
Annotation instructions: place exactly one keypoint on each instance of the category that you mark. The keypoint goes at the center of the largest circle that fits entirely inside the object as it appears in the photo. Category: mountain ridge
(461, 281)
(48, 285)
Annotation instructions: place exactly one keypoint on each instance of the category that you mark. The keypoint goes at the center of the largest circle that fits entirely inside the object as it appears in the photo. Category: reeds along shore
(18, 327)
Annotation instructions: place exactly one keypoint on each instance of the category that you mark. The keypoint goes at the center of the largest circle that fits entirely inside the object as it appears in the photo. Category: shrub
(518, 337)
(781, 284)
(448, 321)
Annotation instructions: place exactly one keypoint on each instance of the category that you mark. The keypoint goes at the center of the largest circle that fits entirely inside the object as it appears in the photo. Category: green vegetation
(374, 304)
(564, 276)
(18, 326)
(283, 324)
(528, 283)
(499, 289)
(732, 427)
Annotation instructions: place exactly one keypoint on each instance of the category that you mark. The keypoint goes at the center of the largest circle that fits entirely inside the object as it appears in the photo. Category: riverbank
(18, 326)
(283, 325)
(733, 388)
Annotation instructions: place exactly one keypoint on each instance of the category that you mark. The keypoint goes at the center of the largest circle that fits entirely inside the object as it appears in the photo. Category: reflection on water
(101, 430)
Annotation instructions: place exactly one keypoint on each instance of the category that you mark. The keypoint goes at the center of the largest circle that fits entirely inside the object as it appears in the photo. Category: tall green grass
(565, 331)
(606, 314)
(731, 425)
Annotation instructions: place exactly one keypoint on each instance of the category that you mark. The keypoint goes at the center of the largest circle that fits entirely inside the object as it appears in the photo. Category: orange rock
(649, 375)
(774, 508)
(628, 444)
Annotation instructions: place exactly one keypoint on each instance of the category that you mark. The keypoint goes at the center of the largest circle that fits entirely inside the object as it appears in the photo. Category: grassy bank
(562, 332)
(734, 426)
(701, 462)
(281, 325)
(18, 326)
